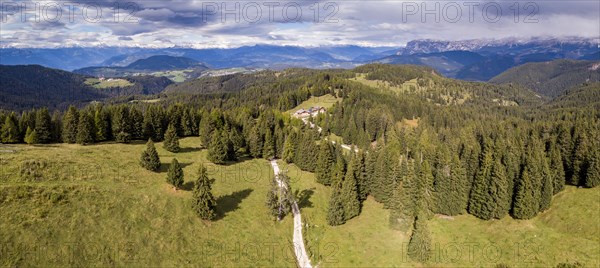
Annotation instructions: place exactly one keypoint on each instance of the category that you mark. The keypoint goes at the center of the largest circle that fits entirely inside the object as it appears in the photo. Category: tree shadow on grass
(230, 203)
(189, 185)
(239, 160)
(164, 167)
(189, 149)
(303, 198)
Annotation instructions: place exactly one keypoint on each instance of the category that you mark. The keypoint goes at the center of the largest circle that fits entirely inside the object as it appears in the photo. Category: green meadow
(72, 205)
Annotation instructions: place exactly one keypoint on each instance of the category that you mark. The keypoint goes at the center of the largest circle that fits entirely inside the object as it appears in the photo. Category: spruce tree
(557, 170)
(325, 164)
(284, 196)
(528, 188)
(43, 126)
(451, 188)
(335, 212)
(547, 190)
(480, 200)
(205, 129)
(500, 194)
(425, 189)
(579, 160)
(102, 123)
(175, 174)
(10, 130)
(592, 177)
(121, 124)
(288, 149)
(70, 125)
(171, 142)
(149, 158)
(217, 149)
(137, 124)
(404, 207)
(27, 120)
(203, 202)
(56, 127)
(349, 192)
(419, 245)
(360, 174)
(268, 151)
(237, 142)
(85, 129)
(186, 123)
(230, 156)
(31, 136)
(272, 201)
(255, 142)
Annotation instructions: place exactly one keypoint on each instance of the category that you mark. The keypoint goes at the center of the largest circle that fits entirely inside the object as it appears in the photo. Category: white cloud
(171, 23)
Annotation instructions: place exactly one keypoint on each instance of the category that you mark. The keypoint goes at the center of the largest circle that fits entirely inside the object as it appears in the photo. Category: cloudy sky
(203, 24)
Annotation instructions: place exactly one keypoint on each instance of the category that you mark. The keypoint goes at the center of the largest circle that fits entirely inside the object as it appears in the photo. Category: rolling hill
(34, 86)
(31, 86)
(149, 65)
(551, 78)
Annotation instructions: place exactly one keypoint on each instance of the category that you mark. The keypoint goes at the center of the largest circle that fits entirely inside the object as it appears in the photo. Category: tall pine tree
(175, 174)
(325, 164)
(203, 201)
(70, 125)
(10, 130)
(149, 158)
(85, 129)
(349, 192)
(335, 212)
(171, 142)
(43, 126)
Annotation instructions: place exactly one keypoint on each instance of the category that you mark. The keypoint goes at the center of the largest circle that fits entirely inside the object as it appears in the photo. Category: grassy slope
(325, 101)
(119, 214)
(96, 83)
(101, 209)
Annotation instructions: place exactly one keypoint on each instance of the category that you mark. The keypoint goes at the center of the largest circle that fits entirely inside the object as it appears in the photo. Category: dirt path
(299, 249)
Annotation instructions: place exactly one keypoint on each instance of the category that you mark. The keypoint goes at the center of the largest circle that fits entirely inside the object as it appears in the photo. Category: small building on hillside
(310, 112)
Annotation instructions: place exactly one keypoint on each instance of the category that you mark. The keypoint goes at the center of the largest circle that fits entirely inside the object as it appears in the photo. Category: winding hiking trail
(299, 249)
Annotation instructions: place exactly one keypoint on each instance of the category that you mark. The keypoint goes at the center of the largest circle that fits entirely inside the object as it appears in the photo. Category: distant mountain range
(483, 59)
(258, 56)
(468, 60)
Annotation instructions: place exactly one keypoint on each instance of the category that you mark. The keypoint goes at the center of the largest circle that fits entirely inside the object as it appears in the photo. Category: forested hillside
(32, 86)
(552, 78)
(29, 86)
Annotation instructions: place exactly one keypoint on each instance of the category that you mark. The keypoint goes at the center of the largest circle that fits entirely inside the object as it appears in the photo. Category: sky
(208, 24)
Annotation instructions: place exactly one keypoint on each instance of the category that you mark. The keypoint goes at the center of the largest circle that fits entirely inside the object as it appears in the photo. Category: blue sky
(204, 24)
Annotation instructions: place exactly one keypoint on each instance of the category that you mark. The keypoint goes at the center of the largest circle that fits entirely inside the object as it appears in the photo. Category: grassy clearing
(413, 87)
(108, 83)
(99, 208)
(146, 101)
(177, 76)
(408, 85)
(567, 232)
(325, 101)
